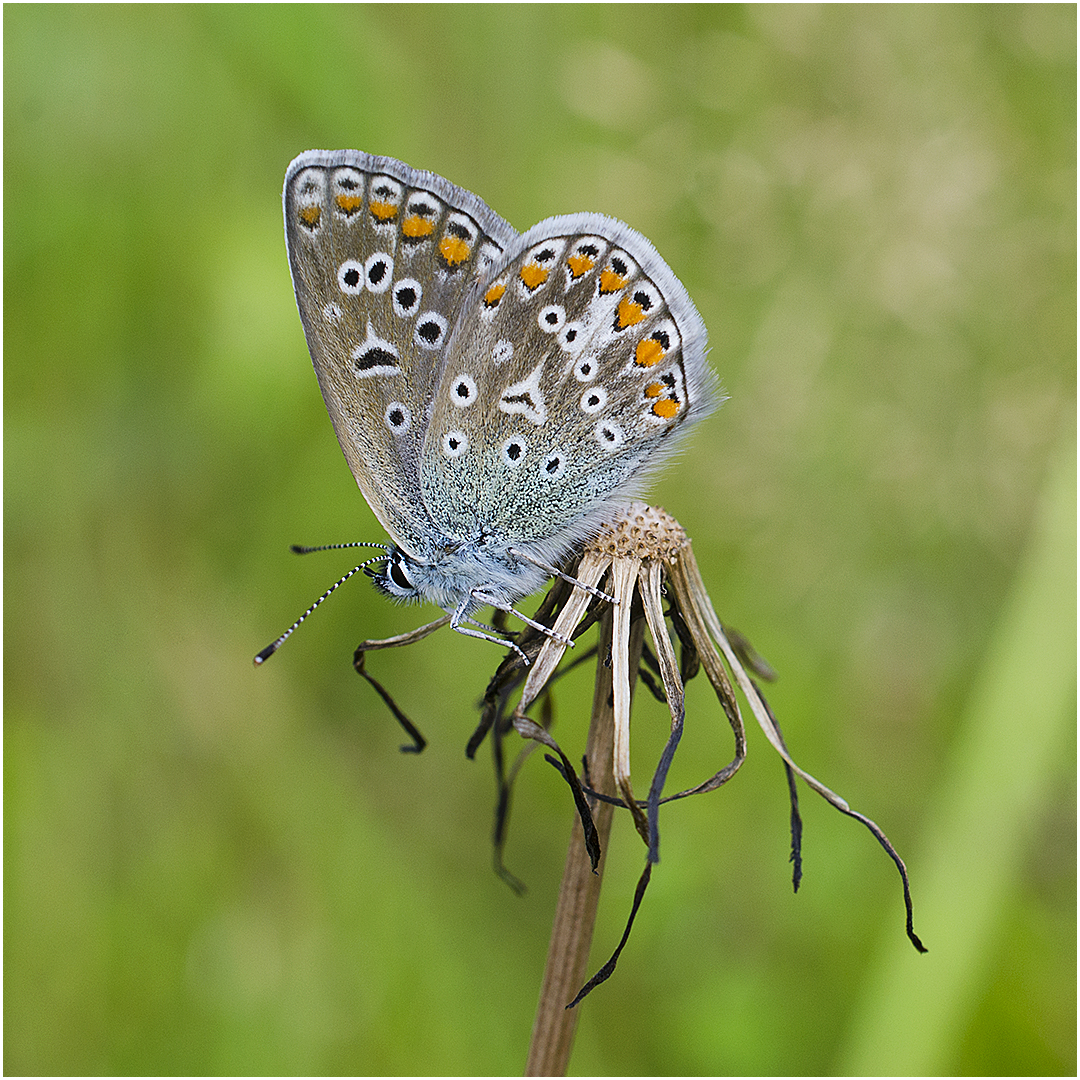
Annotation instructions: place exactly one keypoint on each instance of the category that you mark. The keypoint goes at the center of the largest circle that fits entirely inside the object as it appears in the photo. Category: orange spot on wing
(494, 295)
(349, 204)
(416, 227)
(649, 351)
(383, 211)
(453, 249)
(654, 389)
(629, 313)
(309, 216)
(666, 408)
(533, 275)
(580, 264)
(611, 282)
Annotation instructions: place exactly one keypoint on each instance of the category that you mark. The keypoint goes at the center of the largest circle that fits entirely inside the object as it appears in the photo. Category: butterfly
(497, 395)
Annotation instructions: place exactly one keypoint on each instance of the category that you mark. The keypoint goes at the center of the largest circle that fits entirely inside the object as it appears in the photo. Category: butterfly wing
(573, 371)
(382, 256)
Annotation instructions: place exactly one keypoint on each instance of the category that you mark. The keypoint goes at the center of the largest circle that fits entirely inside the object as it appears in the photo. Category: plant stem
(575, 914)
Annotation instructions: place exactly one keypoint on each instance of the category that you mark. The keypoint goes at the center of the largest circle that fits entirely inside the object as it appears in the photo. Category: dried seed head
(640, 532)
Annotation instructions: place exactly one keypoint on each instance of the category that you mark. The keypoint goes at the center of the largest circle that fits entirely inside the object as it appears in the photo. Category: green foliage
(215, 869)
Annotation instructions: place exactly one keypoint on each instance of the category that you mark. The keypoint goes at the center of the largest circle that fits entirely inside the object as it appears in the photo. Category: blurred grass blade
(916, 1007)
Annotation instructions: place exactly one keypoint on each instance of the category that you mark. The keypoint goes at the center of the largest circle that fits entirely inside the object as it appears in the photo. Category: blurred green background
(216, 869)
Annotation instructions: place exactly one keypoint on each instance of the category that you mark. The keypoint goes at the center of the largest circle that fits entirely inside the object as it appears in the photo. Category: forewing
(382, 256)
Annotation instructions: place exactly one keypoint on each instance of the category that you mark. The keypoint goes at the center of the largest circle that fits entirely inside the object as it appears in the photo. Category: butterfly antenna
(300, 549)
(273, 647)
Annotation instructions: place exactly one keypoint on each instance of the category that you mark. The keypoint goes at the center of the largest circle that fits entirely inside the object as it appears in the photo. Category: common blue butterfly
(496, 394)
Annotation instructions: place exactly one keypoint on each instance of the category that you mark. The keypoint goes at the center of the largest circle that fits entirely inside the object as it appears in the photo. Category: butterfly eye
(398, 575)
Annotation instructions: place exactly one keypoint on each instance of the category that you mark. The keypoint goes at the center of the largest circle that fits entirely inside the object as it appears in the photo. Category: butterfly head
(399, 577)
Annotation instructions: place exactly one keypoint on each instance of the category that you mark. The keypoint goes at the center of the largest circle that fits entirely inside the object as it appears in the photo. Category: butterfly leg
(483, 598)
(518, 554)
(459, 617)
